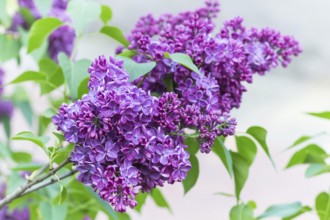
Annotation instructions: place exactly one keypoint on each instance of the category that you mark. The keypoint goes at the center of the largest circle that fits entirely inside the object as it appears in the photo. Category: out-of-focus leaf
(159, 199)
(40, 30)
(27, 167)
(192, 176)
(309, 154)
(53, 75)
(63, 195)
(324, 115)
(241, 212)
(83, 88)
(282, 211)
(6, 124)
(322, 206)
(29, 136)
(83, 13)
(22, 157)
(260, 135)
(116, 34)
(252, 204)
(141, 199)
(43, 6)
(4, 17)
(9, 47)
(184, 60)
(317, 169)
(247, 148)
(241, 172)
(29, 76)
(223, 153)
(301, 140)
(74, 73)
(14, 181)
(22, 102)
(53, 212)
(135, 69)
(106, 14)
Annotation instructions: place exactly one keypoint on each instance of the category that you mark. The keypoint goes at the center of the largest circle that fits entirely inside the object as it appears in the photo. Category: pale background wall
(277, 102)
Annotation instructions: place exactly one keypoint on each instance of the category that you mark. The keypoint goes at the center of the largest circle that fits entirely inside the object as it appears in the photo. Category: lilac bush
(6, 106)
(127, 140)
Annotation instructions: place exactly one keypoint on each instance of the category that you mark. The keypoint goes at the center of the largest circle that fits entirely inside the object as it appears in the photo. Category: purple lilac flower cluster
(16, 214)
(123, 142)
(6, 107)
(62, 39)
(231, 57)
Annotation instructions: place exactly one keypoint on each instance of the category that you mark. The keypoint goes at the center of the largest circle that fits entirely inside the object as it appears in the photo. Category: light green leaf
(83, 13)
(22, 102)
(29, 136)
(53, 212)
(317, 169)
(135, 69)
(141, 199)
(252, 204)
(83, 88)
(159, 199)
(9, 47)
(116, 34)
(14, 182)
(192, 176)
(309, 154)
(63, 194)
(74, 73)
(4, 17)
(54, 75)
(324, 115)
(282, 211)
(246, 148)
(241, 212)
(184, 60)
(27, 167)
(106, 14)
(260, 135)
(40, 30)
(5, 120)
(223, 153)
(301, 140)
(29, 76)
(322, 206)
(241, 172)
(43, 6)
(22, 157)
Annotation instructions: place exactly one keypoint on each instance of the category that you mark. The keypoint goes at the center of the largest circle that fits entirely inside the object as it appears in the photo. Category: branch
(49, 182)
(21, 190)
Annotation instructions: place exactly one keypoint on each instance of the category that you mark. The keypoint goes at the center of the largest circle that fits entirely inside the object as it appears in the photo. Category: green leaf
(302, 211)
(29, 76)
(5, 120)
(324, 115)
(159, 199)
(22, 157)
(54, 75)
(192, 176)
(40, 30)
(301, 140)
(282, 211)
(29, 136)
(53, 212)
(4, 17)
(252, 204)
(22, 102)
(106, 208)
(106, 14)
(83, 13)
(317, 169)
(9, 47)
(141, 199)
(241, 212)
(116, 34)
(247, 148)
(184, 60)
(74, 73)
(322, 206)
(223, 153)
(27, 167)
(241, 172)
(14, 181)
(260, 135)
(83, 88)
(135, 69)
(193, 145)
(309, 154)
(63, 195)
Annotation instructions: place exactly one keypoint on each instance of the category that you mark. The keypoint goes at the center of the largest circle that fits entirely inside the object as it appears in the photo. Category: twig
(20, 191)
(49, 182)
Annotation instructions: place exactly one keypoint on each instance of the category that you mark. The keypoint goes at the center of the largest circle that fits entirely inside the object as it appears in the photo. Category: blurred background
(278, 101)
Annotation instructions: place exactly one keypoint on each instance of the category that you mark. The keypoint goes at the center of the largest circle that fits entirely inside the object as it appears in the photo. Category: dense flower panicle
(122, 143)
(232, 56)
